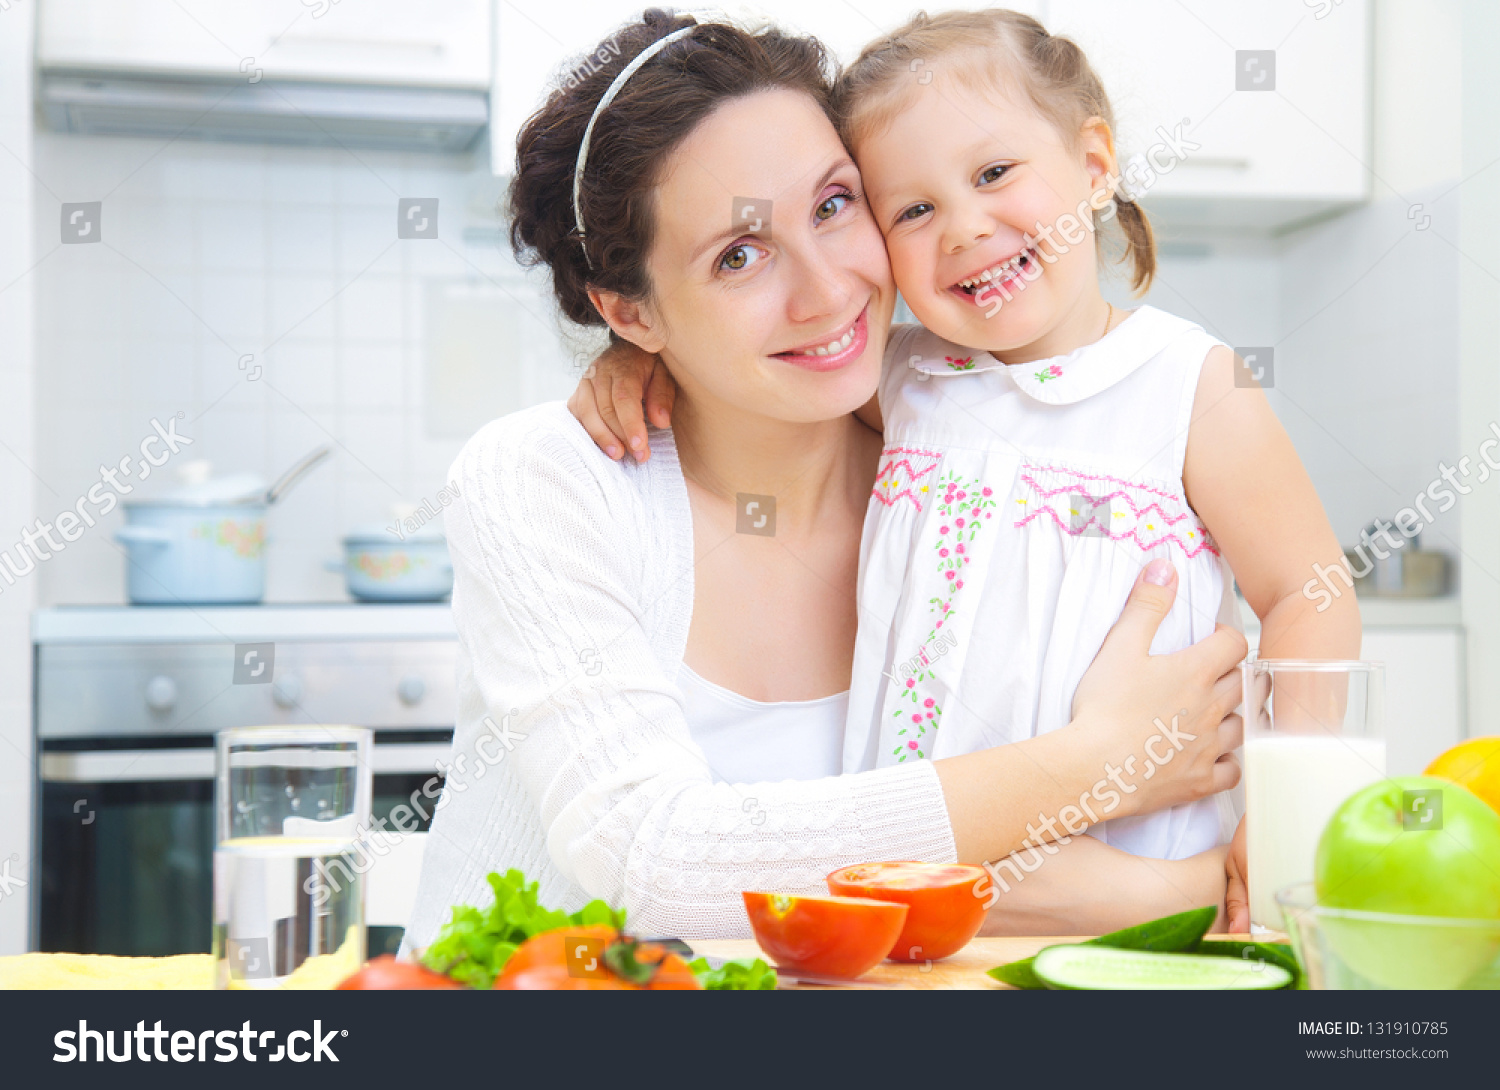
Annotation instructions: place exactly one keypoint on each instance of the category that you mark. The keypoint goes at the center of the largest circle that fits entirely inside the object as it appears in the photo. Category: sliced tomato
(829, 936)
(945, 907)
(385, 973)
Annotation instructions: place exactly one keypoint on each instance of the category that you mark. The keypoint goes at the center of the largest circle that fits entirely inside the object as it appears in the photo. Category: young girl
(1040, 444)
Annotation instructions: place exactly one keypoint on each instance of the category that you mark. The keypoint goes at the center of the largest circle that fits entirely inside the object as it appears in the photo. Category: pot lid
(395, 533)
(200, 488)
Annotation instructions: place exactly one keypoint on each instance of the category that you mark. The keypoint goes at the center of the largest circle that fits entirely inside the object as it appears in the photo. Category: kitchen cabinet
(1283, 135)
(439, 43)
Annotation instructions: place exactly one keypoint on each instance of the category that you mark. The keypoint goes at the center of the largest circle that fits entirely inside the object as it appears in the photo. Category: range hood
(381, 73)
(425, 119)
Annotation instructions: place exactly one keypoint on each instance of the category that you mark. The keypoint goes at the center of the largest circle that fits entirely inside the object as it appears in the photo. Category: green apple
(1376, 857)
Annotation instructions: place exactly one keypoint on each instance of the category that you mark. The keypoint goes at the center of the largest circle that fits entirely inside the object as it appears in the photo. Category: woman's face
(771, 289)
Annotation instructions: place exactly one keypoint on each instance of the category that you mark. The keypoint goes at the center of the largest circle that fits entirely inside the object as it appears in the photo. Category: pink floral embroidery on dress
(964, 364)
(963, 508)
(1049, 373)
(1149, 526)
(903, 475)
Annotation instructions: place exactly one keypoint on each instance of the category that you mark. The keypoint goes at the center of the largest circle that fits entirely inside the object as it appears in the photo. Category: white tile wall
(19, 485)
(286, 259)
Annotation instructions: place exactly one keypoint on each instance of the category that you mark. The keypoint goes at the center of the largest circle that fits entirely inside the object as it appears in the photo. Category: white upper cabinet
(1275, 93)
(435, 43)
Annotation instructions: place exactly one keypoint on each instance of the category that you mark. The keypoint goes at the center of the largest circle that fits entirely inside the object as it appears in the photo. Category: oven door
(126, 836)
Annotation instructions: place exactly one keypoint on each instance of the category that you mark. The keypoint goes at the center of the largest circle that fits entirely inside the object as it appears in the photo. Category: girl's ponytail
(1140, 244)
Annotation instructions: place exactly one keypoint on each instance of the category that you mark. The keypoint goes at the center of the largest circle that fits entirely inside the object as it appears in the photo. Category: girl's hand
(1163, 725)
(608, 401)
(1237, 875)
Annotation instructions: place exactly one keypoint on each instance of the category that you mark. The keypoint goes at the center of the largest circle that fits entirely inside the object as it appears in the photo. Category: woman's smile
(845, 346)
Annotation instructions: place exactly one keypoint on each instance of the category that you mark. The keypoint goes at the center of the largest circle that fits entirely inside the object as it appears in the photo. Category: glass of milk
(292, 810)
(1314, 734)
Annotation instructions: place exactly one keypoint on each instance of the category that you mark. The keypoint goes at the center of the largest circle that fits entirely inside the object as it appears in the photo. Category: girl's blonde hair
(1005, 47)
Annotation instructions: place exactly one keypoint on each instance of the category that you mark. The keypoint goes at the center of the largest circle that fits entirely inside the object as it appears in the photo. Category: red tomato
(944, 913)
(385, 973)
(830, 936)
(573, 959)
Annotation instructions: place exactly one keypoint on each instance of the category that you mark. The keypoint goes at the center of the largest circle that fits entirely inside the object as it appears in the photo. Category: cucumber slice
(1183, 931)
(1271, 953)
(1103, 968)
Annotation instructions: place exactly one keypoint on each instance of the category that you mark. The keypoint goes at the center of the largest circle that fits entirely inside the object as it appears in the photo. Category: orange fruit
(1476, 765)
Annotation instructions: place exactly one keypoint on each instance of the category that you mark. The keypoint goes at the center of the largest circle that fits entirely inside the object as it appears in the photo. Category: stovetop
(242, 624)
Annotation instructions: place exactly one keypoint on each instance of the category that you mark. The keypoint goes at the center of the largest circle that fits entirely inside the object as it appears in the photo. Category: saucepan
(204, 543)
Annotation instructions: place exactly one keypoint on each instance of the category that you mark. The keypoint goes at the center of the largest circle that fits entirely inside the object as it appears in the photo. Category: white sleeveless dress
(1014, 508)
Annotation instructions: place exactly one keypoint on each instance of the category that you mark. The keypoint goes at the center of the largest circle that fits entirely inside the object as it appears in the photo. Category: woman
(655, 657)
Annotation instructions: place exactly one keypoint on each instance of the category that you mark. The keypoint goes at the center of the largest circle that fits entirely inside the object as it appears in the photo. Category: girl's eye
(739, 256)
(991, 174)
(916, 211)
(833, 206)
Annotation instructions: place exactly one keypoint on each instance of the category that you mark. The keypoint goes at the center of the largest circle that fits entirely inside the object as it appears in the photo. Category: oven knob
(411, 690)
(161, 693)
(287, 691)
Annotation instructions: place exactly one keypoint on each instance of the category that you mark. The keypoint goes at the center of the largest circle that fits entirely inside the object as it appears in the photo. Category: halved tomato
(593, 958)
(944, 909)
(830, 936)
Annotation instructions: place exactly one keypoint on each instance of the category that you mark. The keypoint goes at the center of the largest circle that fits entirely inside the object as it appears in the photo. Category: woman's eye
(738, 257)
(916, 211)
(832, 206)
(991, 174)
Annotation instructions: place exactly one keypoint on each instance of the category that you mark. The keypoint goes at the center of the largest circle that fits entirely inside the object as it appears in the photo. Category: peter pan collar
(1082, 373)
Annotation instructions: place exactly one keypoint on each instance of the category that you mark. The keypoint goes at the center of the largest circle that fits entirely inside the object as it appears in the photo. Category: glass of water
(1314, 735)
(292, 810)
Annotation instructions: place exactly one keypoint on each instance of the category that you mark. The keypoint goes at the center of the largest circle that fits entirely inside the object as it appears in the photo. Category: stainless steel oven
(128, 701)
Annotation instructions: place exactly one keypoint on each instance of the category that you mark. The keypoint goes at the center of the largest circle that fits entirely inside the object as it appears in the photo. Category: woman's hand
(1162, 725)
(608, 401)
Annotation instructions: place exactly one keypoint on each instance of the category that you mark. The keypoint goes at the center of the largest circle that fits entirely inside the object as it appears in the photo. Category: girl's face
(981, 198)
(771, 290)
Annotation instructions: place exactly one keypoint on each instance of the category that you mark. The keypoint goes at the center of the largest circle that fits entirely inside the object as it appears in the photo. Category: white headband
(751, 24)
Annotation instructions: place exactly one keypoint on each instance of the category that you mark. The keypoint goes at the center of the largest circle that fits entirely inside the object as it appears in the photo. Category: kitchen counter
(964, 971)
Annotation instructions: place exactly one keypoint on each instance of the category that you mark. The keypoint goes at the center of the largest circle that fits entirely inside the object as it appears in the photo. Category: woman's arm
(1085, 887)
(1148, 732)
(1244, 479)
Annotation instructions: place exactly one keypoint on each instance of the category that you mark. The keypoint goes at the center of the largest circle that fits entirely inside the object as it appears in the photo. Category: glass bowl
(1343, 949)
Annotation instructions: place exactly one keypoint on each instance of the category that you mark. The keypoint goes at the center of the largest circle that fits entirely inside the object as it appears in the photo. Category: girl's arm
(610, 399)
(1244, 479)
(1089, 888)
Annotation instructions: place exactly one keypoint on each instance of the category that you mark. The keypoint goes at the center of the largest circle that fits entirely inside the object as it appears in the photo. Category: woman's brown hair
(1003, 46)
(655, 110)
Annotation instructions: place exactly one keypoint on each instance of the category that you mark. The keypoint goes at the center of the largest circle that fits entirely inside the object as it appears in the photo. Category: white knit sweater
(573, 593)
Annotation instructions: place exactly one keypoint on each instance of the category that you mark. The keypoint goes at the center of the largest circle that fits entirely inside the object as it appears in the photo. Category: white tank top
(750, 741)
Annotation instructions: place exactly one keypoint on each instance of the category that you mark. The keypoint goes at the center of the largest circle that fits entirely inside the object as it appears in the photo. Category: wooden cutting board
(965, 970)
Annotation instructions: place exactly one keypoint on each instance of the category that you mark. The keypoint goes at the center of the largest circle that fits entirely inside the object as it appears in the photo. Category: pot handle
(143, 535)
